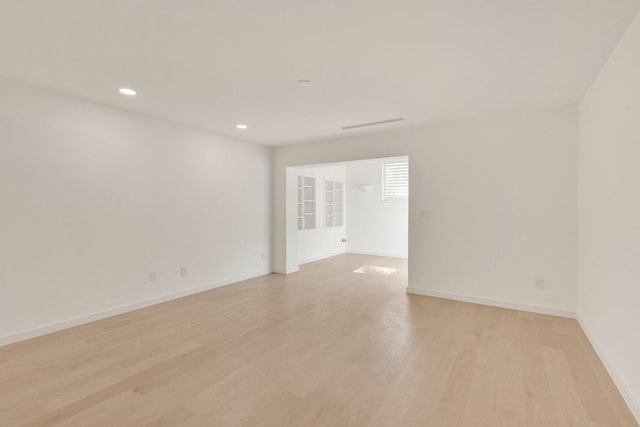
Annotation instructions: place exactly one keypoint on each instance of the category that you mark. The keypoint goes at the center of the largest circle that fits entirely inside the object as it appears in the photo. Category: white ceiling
(214, 63)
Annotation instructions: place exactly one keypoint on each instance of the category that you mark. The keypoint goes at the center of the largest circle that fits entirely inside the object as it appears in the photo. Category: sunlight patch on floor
(374, 269)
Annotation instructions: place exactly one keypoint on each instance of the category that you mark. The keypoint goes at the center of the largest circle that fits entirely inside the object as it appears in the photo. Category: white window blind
(396, 180)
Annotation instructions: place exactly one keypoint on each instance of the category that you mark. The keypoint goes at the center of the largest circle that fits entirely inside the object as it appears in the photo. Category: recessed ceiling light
(241, 126)
(304, 83)
(127, 91)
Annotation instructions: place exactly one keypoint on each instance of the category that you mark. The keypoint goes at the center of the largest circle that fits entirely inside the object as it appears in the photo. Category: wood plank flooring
(322, 347)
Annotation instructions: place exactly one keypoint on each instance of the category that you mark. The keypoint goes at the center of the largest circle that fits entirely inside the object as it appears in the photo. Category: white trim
(632, 402)
(374, 253)
(286, 270)
(70, 323)
(318, 258)
(494, 302)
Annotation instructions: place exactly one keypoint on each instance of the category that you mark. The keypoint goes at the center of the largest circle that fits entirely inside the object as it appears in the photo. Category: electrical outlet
(262, 255)
(152, 276)
(183, 271)
(423, 214)
(539, 284)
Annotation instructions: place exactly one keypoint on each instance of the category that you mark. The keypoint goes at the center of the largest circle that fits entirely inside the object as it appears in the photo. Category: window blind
(396, 180)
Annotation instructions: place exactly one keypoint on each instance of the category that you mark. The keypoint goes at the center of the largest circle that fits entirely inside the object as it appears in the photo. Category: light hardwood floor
(322, 347)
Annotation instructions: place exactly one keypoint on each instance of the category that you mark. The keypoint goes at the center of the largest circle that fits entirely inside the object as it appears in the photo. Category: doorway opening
(355, 207)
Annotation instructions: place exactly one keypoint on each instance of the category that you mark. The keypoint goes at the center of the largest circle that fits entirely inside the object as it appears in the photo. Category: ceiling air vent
(381, 122)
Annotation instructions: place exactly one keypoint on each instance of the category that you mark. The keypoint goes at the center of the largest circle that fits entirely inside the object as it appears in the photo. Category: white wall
(321, 242)
(501, 193)
(374, 226)
(94, 198)
(609, 243)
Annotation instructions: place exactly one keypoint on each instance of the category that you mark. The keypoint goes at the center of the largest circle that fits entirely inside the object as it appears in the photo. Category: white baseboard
(493, 302)
(318, 258)
(286, 271)
(69, 323)
(632, 401)
(374, 253)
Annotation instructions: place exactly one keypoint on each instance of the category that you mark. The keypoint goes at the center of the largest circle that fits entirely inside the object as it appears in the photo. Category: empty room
(320, 213)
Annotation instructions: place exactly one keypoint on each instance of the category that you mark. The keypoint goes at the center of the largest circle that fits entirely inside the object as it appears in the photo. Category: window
(395, 180)
(333, 203)
(306, 203)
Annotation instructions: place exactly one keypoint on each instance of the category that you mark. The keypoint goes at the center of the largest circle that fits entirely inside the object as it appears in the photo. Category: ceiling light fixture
(241, 126)
(127, 91)
(304, 83)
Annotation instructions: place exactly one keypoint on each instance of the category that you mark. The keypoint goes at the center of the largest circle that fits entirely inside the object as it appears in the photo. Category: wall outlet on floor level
(152, 276)
(539, 284)
(183, 271)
